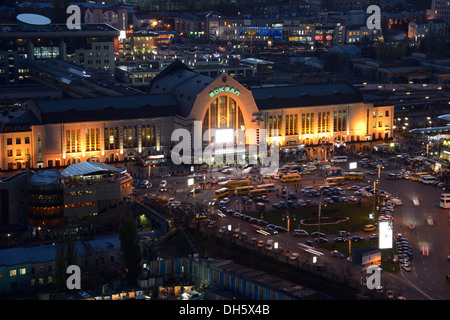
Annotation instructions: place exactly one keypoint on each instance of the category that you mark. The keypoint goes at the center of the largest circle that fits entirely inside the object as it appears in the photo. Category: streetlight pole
(318, 225)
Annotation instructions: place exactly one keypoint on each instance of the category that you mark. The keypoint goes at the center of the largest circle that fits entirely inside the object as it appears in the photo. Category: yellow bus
(290, 178)
(201, 218)
(257, 192)
(222, 192)
(354, 175)
(269, 187)
(243, 190)
(415, 175)
(233, 184)
(335, 180)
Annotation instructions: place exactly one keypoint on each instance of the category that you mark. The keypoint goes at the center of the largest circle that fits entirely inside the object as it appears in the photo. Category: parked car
(339, 239)
(310, 243)
(337, 254)
(406, 267)
(317, 234)
(301, 203)
(291, 204)
(321, 240)
(356, 238)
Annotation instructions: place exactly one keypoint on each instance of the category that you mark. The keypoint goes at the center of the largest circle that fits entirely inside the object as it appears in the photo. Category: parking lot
(309, 205)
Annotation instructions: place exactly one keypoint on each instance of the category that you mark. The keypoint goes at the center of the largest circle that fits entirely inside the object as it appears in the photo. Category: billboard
(385, 235)
(224, 135)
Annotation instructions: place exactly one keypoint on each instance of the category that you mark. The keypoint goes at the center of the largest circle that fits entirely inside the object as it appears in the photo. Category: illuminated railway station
(57, 133)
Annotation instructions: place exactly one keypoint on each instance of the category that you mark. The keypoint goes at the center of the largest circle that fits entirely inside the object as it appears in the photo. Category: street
(430, 246)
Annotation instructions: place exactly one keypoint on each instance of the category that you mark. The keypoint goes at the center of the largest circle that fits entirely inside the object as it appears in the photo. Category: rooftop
(88, 168)
(107, 108)
(58, 31)
(45, 177)
(306, 95)
(47, 253)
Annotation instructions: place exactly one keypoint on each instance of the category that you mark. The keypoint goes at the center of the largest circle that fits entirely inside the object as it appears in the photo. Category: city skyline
(330, 118)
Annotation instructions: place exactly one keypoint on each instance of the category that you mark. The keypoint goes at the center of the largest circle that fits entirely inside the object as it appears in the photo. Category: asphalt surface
(427, 278)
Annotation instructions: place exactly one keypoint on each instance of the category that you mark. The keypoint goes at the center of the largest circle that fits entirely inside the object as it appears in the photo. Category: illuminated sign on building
(223, 89)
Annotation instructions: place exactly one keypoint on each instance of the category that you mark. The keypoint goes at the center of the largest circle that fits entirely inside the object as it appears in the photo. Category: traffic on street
(321, 214)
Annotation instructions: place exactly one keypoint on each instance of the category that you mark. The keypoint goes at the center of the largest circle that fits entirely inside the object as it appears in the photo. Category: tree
(129, 246)
(66, 255)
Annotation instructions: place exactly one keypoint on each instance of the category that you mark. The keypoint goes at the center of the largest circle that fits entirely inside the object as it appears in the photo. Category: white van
(445, 201)
(427, 179)
(300, 233)
(339, 159)
(269, 244)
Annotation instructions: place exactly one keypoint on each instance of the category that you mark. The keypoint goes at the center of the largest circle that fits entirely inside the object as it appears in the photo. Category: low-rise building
(361, 34)
(81, 190)
(27, 270)
(426, 28)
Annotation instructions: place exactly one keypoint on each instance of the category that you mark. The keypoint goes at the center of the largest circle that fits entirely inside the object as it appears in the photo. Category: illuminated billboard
(224, 135)
(385, 234)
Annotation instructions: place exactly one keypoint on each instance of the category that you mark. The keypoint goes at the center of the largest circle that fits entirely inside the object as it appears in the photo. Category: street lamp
(320, 209)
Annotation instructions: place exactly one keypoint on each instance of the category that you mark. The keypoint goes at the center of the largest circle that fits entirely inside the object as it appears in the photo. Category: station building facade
(56, 133)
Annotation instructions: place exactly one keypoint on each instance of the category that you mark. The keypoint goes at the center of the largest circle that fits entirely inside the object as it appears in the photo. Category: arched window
(223, 112)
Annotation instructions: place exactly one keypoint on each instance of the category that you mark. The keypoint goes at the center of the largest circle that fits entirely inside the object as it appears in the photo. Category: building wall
(62, 144)
(55, 138)
(357, 127)
(440, 10)
(14, 149)
(29, 276)
(99, 56)
(13, 199)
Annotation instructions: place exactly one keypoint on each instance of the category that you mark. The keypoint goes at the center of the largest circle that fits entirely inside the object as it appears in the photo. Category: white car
(404, 261)
(163, 184)
(415, 201)
(225, 200)
(406, 267)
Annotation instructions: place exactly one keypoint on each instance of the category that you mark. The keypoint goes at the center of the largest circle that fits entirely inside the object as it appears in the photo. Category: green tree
(129, 246)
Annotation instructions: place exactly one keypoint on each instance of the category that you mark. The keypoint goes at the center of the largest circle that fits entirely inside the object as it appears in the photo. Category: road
(425, 281)
(430, 244)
